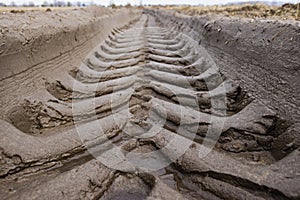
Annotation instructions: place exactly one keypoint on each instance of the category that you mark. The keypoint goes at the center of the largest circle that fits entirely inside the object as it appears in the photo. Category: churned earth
(130, 103)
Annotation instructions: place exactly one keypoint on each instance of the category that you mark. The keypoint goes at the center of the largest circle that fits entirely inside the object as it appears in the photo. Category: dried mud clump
(31, 118)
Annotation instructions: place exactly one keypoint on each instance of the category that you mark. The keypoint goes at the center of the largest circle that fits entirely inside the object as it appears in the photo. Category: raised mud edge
(45, 48)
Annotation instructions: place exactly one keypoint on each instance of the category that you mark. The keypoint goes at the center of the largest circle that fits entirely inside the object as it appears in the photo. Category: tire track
(142, 78)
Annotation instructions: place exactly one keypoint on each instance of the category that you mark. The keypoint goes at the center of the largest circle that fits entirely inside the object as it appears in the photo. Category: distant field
(287, 11)
(24, 9)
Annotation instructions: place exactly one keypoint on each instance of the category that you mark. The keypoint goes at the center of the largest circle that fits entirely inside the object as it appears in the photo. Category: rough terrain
(213, 103)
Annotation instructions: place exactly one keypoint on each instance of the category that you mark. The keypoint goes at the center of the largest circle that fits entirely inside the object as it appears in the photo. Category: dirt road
(150, 103)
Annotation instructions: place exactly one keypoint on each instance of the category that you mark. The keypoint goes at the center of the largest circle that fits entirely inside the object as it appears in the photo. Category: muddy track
(143, 77)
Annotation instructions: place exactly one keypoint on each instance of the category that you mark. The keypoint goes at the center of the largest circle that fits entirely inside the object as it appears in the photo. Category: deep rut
(146, 97)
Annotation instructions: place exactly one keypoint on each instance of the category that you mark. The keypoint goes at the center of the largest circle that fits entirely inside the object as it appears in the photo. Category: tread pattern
(144, 77)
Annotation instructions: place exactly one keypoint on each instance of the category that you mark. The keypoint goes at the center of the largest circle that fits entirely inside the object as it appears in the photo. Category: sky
(137, 2)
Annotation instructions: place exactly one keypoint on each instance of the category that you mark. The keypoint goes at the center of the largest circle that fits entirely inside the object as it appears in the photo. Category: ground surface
(172, 106)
